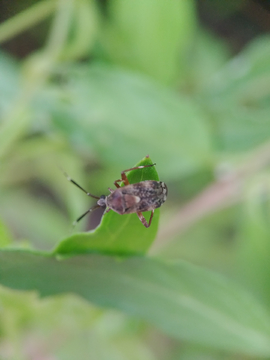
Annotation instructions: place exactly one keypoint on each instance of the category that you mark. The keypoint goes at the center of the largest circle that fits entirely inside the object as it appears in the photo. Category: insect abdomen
(152, 195)
(143, 196)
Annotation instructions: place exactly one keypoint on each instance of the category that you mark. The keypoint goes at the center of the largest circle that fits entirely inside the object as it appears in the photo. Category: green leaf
(213, 54)
(115, 114)
(150, 36)
(117, 234)
(245, 79)
(185, 301)
(238, 98)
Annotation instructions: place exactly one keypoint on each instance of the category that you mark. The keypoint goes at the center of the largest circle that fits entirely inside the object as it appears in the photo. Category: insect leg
(124, 177)
(135, 168)
(143, 220)
(117, 185)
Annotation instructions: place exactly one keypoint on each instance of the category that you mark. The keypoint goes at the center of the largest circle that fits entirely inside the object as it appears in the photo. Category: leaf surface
(183, 300)
(115, 114)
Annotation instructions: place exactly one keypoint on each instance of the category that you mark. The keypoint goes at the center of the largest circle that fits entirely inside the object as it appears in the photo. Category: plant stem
(26, 19)
(37, 71)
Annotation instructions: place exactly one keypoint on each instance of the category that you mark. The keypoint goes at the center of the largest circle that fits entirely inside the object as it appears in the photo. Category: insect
(146, 195)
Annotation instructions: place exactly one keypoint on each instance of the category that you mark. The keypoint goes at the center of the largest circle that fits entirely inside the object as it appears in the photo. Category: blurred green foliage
(115, 81)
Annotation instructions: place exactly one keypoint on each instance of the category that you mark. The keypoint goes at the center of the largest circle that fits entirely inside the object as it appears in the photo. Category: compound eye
(102, 197)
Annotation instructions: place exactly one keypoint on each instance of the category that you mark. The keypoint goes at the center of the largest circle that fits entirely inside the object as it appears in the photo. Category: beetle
(136, 198)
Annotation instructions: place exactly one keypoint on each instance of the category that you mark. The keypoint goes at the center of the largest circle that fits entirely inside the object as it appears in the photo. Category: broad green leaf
(117, 234)
(150, 36)
(238, 98)
(245, 79)
(185, 301)
(115, 114)
(213, 54)
(240, 128)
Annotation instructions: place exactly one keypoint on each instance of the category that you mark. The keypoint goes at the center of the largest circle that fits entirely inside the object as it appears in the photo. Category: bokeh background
(91, 87)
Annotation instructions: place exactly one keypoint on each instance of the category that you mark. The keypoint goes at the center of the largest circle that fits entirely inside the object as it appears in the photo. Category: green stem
(60, 27)
(39, 68)
(26, 19)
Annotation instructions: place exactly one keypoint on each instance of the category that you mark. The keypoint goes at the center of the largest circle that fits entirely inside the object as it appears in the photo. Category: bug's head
(102, 201)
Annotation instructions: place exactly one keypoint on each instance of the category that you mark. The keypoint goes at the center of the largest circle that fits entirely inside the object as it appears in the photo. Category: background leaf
(92, 87)
(238, 98)
(183, 300)
(150, 36)
(113, 113)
